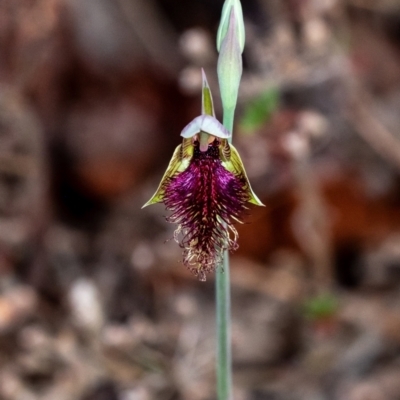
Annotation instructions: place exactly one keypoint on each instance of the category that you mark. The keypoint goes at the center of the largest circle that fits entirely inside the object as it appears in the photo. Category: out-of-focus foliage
(258, 111)
(321, 306)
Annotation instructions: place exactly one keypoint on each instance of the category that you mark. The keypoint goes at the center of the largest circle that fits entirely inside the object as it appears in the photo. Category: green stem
(223, 305)
(229, 115)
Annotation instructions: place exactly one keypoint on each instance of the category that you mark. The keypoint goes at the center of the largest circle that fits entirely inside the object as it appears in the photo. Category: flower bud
(230, 64)
(231, 5)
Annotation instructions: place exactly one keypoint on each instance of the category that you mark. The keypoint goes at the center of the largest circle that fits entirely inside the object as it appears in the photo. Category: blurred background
(94, 302)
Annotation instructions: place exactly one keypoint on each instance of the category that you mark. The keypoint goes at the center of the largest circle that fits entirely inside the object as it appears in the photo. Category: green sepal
(207, 106)
(179, 162)
(233, 163)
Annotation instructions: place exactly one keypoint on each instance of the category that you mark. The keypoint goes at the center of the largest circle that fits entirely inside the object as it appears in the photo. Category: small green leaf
(260, 110)
(321, 306)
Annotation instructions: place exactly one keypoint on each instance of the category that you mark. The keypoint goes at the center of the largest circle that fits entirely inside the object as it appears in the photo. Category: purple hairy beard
(205, 201)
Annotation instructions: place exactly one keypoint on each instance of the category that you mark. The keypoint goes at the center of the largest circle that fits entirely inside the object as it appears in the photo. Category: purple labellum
(205, 199)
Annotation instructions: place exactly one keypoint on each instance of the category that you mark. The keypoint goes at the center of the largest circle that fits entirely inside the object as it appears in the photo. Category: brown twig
(371, 129)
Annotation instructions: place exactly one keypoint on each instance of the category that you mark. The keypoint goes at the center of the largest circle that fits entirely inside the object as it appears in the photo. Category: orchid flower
(206, 189)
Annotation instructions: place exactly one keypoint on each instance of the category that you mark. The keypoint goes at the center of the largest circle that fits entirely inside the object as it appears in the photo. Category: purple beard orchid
(206, 189)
